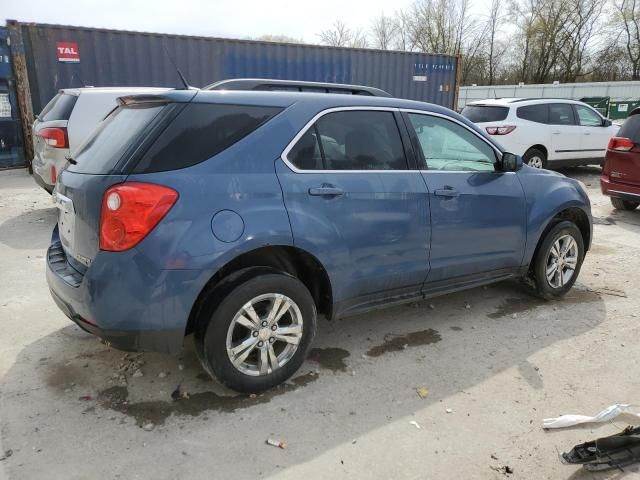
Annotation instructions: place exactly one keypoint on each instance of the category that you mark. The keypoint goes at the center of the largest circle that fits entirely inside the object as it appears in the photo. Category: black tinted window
(305, 154)
(59, 108)
(534, 113)
(201, 131)
(485, 113)
(561, 114)
(631, 128)
(115, 135)
(351, 140)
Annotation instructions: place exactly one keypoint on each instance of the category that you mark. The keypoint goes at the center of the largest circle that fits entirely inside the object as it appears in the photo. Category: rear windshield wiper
(72, 161)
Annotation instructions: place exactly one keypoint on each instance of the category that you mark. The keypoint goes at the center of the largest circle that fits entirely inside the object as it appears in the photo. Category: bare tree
(442, 26)
(629, 19)
(580, 29)
(339, 35)
(358, 39)
(279, 38)
(495, 49)
(404, 31)
(383, 32)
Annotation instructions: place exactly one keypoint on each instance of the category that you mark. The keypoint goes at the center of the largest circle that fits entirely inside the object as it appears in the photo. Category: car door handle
(555, 132)
(446, 192)
(326, 191)
(587, 133)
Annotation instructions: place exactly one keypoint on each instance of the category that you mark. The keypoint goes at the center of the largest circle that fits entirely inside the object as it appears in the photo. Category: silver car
(66, 122)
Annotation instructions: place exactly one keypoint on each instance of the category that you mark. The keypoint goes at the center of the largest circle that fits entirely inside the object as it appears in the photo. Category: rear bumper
(127, 340)
(619, 190)
(122, 300)
(40, 181)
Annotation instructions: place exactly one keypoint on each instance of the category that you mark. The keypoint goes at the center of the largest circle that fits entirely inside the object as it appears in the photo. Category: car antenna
(75, 75)
(185, 84)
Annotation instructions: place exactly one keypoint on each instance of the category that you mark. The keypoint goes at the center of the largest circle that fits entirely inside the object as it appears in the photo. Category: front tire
(259, 334)
(558, 260)
(620, 204)
(535, 158)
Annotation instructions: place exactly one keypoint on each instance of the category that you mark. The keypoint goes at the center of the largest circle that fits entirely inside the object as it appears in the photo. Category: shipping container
(11, 152)
(64, 56)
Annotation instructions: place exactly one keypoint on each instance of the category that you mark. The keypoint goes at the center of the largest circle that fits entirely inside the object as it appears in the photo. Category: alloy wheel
(562, 261)
(535, 162)
(264, 334)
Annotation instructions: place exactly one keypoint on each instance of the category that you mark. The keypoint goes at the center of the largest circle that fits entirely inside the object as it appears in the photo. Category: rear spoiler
(133, 99)
(177, 96)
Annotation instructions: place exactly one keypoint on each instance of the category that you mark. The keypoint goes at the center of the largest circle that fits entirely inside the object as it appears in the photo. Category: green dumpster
(599, 103)
(619, 109)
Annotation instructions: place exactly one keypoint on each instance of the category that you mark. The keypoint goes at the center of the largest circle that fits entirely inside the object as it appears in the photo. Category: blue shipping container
(63, 56)
(11, 153)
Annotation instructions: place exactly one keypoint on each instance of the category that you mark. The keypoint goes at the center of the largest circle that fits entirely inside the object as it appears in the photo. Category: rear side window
(201, 131)
(485, 113)
(59, 108)
(351, 140)
(534, 113)
(631, 128)
(561, 114)
(114, 136)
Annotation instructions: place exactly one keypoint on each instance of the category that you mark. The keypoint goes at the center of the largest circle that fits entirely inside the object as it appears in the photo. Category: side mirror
(511, 162)
(606, 122)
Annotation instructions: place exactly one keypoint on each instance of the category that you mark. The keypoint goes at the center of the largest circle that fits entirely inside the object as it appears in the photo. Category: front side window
(561, 114)
(350, 140)
(587, 117)
(447, 145)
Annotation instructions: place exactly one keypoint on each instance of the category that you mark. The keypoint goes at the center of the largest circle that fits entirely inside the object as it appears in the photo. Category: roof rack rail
(268, 84)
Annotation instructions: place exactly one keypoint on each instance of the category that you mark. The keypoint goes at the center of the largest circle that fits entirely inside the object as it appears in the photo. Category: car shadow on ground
(361, 375)
(30, 230)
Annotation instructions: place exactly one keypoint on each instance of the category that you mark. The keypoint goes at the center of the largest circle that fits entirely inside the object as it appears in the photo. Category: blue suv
(240, 216)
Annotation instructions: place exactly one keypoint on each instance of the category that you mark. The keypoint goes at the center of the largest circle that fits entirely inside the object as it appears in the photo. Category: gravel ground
(494, 361)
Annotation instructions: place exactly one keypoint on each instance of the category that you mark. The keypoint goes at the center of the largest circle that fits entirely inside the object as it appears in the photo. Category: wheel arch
(540, 147)
(573, 214)
(268, 259)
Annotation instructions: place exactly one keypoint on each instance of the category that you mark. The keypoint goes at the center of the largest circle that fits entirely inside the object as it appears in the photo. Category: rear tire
(620, 204)
(558, 260)
(535, 158)
(245, 354)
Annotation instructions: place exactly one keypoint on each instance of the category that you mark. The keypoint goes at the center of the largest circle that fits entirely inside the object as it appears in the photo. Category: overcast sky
(230, 18)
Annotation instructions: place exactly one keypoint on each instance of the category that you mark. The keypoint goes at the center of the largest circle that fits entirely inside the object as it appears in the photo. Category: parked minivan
(240, 216)
(66, 122)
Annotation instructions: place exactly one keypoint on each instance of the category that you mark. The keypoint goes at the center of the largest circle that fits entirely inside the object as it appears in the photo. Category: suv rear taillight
(130, 211)
(620, 144)
(55, 137)
(500, 130)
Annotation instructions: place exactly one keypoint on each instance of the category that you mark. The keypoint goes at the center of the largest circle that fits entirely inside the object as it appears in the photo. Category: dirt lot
(497, 359)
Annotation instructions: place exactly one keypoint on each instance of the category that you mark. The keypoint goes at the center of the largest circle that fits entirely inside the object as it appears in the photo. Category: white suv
(547, 133)
(66, 122)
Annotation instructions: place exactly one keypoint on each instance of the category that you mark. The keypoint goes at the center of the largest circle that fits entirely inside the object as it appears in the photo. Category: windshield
(485, 113)
(106, 146)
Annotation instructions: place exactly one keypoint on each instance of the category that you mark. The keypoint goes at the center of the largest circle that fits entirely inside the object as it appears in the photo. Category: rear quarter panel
(241, 179)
